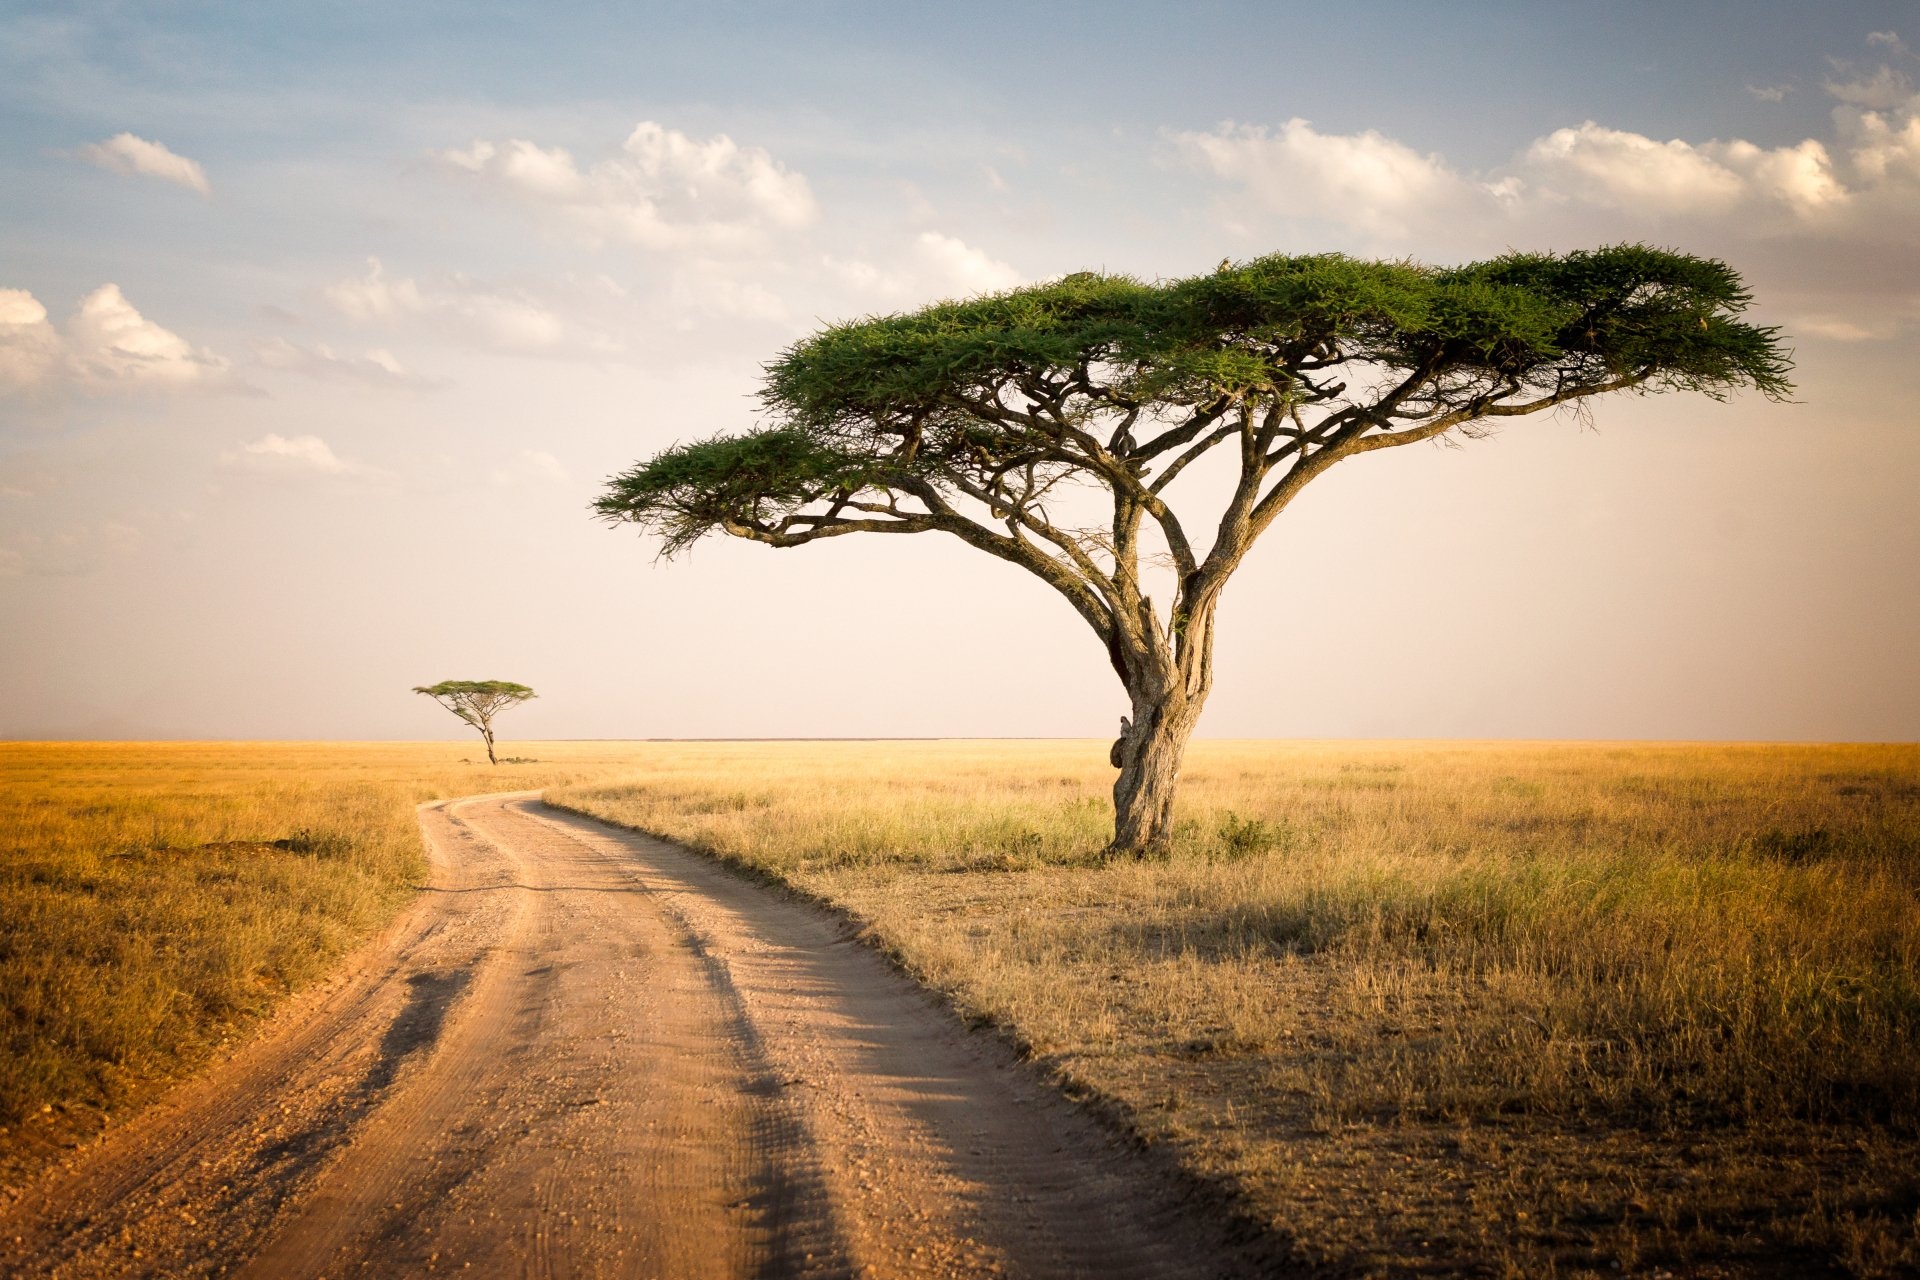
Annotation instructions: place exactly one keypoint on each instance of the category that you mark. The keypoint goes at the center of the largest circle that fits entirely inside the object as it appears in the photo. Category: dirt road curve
(588, 1053)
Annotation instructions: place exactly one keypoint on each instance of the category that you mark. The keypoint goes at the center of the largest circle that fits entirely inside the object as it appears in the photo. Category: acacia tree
(478, 702)
(998, 420)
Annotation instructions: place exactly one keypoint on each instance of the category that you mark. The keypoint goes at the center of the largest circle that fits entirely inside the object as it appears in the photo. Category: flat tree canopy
(478, 702)
(987, 419)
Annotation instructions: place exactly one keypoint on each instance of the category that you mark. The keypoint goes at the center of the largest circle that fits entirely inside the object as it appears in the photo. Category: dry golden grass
(156, 898)
(1524, 1009)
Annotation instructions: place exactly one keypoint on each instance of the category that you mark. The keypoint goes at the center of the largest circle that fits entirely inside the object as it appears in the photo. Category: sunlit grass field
(157, 898)
(1489, 1008)
(1504, 1008)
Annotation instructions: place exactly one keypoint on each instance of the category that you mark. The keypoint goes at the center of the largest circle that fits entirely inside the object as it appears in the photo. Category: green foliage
(477, 701)
(477, 689)
(885, 404)
(1249, 837)
(700, 486)
(1631, 308)
(446, 687)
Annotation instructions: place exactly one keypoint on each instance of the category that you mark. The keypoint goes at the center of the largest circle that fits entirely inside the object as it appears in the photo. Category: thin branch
(1179, 464)
(1180, 435)
(1017, 514)
(1079, 594)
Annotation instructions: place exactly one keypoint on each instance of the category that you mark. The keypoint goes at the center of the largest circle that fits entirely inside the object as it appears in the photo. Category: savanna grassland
(1442, 1008)
(157, 898)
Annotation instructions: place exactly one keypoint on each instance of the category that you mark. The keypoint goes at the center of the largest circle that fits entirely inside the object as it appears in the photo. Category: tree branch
(1085, 600)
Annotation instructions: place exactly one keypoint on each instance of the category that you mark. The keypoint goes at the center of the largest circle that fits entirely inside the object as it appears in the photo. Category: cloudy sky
(320, 326)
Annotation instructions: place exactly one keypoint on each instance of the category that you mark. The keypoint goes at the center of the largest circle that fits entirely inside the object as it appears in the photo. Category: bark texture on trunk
(1167, 680)
(1150, 756)
(487, 735)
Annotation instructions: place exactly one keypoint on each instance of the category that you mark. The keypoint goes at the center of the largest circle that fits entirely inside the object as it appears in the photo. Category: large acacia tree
(1001, 420)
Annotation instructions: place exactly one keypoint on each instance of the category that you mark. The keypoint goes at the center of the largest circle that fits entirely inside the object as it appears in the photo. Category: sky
(321, 326)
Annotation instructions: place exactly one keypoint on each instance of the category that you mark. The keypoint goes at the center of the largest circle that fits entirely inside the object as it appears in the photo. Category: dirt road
(588, 1053)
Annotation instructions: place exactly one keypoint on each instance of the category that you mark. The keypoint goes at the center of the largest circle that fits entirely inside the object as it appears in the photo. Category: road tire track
(586, 1052)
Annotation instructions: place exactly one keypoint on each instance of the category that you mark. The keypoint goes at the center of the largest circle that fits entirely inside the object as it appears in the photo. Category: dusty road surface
(588, 1053)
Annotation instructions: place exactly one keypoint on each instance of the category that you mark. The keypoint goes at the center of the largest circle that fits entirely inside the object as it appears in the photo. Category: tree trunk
(1150, 756)
(1168, 684)
(488, 735)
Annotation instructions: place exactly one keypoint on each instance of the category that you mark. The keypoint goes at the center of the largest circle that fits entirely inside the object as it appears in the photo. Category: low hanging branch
(984, 419)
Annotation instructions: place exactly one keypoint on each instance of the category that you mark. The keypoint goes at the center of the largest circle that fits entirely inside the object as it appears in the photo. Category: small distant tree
(478, 702)
(1045, 426)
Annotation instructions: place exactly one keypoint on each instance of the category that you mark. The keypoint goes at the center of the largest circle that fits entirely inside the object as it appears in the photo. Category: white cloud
(1366, 179)
(662, 190)
(960, 267)
(1824, 226)
(1878, 118)
(717, 208)
(31, 352)
(374, 297)
(1609, 166)
(1800, 176)
(1837, 329)
(275, 454)
(105, 345)
(934, 265)
(126, 153)
(1880, 89)
(377, 367)
(1616, 168)
(1770, 92)
(111, 342)
(504, 319)
(1387, 190)
(1883, 146)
